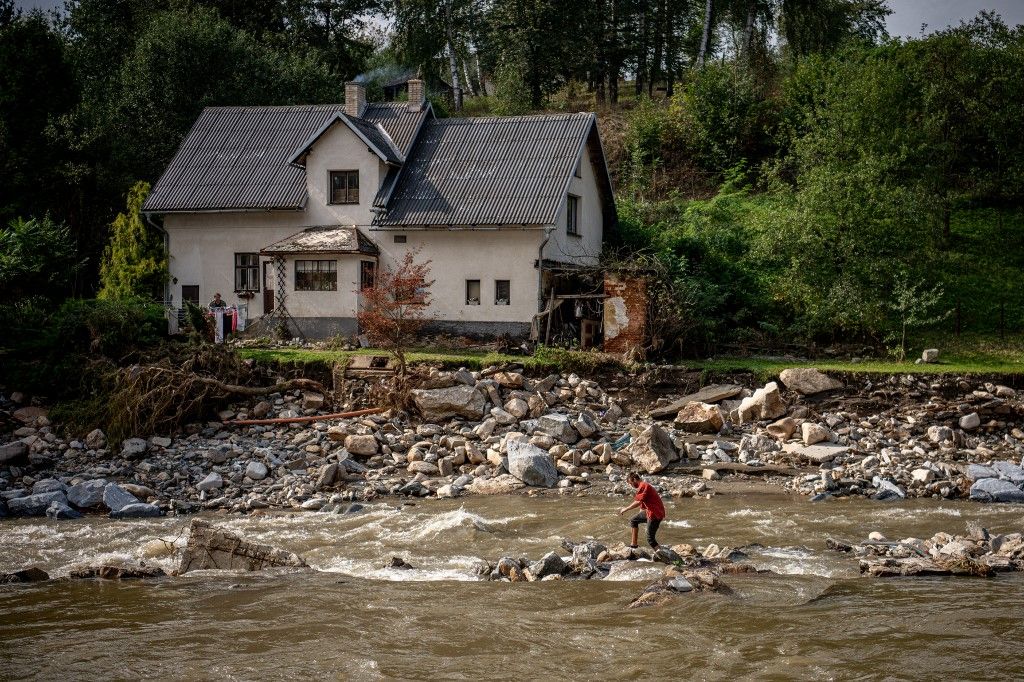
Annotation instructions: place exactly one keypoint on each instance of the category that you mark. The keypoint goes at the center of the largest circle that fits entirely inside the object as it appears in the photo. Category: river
(353, 619)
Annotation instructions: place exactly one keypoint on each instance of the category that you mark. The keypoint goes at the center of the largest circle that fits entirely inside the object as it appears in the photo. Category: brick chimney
(355, 99)
(416, 95)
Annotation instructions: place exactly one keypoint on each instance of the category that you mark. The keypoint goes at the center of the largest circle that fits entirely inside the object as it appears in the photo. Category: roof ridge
(574, 114)
(266, 107)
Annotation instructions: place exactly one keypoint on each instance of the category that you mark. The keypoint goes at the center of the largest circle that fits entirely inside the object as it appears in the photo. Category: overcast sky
(906, 19)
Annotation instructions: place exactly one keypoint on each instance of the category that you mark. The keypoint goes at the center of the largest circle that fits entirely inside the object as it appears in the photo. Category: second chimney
(416, 96)
(355, 99)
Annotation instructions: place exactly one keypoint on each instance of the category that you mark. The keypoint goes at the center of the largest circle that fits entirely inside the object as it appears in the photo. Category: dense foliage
(784, 169)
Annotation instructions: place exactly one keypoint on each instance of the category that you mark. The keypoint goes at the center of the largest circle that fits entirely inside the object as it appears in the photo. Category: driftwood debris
(210, 547)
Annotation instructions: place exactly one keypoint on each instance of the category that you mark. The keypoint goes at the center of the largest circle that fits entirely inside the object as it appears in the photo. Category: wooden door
(268, 287)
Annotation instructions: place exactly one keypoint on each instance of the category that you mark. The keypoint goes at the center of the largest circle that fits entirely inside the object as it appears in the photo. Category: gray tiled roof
(487, 171)
(323, 239)
(237, 157)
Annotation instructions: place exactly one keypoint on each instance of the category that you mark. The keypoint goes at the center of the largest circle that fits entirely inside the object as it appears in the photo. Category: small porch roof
(323, 239)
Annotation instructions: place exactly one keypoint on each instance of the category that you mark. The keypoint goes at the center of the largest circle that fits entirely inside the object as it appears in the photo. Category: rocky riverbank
(500, 431)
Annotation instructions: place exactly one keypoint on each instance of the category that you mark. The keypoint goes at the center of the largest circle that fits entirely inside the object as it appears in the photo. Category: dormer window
(345, 187)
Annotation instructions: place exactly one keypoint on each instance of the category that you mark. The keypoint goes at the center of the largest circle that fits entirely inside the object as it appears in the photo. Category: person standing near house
(218, 302)
(652, 511)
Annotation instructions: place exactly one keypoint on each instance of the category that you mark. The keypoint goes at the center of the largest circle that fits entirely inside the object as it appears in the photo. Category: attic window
(345, 187)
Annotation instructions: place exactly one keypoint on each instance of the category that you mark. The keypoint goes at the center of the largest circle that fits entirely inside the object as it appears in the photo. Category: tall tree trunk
(453, 64)
(670, 54)
(614, 56)
(705, 39)
(469, 81)
(641, 53)
(659, 48)
(748, 31)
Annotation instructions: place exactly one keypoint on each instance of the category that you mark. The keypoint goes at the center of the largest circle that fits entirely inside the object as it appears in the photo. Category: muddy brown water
(353, 619)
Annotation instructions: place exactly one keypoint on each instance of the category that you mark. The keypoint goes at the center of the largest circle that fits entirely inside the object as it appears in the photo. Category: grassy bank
(966, 355)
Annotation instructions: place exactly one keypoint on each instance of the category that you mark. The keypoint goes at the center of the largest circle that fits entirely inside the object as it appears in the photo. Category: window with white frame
(572, 215)
(472, 292)
(247, 272)
(316, 275)
(502, 292)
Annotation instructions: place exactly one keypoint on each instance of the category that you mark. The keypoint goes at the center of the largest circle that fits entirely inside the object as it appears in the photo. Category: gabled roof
(323, 239)
(236, 158)
(375, 137)
(466, 172)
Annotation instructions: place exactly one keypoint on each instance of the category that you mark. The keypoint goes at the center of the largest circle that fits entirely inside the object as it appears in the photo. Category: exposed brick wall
(625, 314)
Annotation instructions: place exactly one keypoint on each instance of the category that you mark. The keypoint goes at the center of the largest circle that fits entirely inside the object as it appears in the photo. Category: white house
(294, 208)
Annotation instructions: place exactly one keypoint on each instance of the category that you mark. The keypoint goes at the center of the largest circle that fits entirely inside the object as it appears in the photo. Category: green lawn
(966, 355)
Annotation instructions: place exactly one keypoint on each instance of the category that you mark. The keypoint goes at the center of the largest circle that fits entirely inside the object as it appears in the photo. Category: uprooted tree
(392, 309)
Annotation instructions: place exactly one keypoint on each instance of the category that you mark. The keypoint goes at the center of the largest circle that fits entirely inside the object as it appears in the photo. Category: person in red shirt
(652, 510)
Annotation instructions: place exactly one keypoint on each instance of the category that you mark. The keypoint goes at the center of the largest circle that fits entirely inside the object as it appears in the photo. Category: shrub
(110, 328)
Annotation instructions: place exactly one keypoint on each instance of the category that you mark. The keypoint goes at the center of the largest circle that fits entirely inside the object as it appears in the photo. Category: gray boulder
(48, 485)
(652, 451)
(35, 505)
(531, 465)
(558, 426)
(10, 452)
(116, 497)
(87, 494)
(139, 510)
(1007, 470)
(213, 481)
(976, 472)
(808, 381)
(549, 564)
(134, 447)
(96, 440)
(969, 422)
(59, 510)
(257, 471)
(439, 404)
(995, 490)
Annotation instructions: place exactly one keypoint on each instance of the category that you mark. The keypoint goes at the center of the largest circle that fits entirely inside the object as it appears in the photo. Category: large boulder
(549, 564)
(558, 426)
(213, 481)
(134, 447)
(117, 498)
(439, 404)
(700, 418)
(138, 510)
(11, 452)
(210, 547)
(709, 394)
(808, 381)
(813, 433)
(531, 465)
(60, 510)
(996, 490)
(87, 495)
(652, 451)
(766, 403)
(95, 440)
(35, 505)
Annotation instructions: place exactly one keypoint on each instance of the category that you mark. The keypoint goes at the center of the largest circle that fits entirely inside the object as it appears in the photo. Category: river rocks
(362, 445)
(12, 452)
(549, 564)
(940, 434)
(213, 481)
(766, 403)
(499, 485)
(440, 404)
(399, 563)
(30, 414)
(653, 450)
(117, 570)
(61, 511)
(557, 426)
(816, 454)
(531, 465)
(256, 471)
(134, 447)
(48, 485)
(87, 494)
(116, 497)
(930, 355)
(782, 429)
(969, 422)
(996, 490)
(700, 418)
(32, 574)
(808, 381)
(34, 505)
(210, 547)
(425, 468)
(138, 510)
(813, 433)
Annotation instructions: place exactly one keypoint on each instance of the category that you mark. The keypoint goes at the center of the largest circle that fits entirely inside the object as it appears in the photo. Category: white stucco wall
(456, 256)
(340, 149)
(586, 248)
